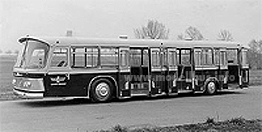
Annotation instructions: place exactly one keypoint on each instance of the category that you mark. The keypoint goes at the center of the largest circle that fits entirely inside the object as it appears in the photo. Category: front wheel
(211, 88)
(101, 90)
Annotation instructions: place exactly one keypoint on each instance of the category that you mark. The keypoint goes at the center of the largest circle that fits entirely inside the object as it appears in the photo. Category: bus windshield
(33, 55)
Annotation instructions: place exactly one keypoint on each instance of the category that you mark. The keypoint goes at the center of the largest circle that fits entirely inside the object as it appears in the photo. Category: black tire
(101, 90)
(211, 88)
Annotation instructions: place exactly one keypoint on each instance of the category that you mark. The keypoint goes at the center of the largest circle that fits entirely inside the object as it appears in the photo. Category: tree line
(157, 30)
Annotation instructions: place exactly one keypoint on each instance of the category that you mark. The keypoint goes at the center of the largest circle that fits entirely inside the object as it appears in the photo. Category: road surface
(81, 115)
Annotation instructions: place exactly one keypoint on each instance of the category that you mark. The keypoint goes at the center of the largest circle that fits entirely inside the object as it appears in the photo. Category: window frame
(67, 58)
(116, 58)
(158, 55)
(209, 56)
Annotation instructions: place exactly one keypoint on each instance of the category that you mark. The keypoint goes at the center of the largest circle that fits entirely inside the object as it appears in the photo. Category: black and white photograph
(130, 65)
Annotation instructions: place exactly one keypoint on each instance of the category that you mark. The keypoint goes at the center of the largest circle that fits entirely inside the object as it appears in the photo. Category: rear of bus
(238, 68)
(30, 68)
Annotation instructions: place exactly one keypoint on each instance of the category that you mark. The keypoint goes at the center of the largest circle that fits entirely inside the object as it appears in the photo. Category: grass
(6, 67)
(234, 125)
(255, 77)
(7, 63)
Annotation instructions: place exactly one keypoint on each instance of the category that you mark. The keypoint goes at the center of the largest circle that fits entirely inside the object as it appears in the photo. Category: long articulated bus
(102, 69)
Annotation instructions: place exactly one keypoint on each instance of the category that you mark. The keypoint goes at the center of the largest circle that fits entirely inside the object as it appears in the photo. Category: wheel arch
(211, 79)
(110, 78)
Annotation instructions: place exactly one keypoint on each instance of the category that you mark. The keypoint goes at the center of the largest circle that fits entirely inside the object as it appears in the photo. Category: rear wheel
(101, 90)
(211, 88)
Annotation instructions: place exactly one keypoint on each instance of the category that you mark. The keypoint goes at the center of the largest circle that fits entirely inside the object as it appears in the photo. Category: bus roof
(77, 41)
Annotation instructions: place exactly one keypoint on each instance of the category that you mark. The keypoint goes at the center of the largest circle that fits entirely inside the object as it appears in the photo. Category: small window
(185, 57)
(123, 58)
(109, 57)
(135, 56)
(91, 57)
(172, 58)
(78, 57)
(244, 57)
(232, 56)
(216, 56)
(197, 57)
(155, 57)
(207, 57)
(59, 58)
(145, 57)
(223, 58)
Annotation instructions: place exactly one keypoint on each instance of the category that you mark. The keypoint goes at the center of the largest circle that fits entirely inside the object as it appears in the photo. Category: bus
(103, 69)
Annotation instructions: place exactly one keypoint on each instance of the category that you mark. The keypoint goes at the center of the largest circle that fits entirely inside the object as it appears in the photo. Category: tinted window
(109, 57)
(207, 57)
(155, 55)
(59, 58)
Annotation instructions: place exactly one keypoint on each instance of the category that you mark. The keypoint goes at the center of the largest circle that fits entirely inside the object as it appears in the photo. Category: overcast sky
(111, 18)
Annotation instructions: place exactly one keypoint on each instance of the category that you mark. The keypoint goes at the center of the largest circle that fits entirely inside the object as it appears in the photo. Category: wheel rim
(211, 87)
(102, 90)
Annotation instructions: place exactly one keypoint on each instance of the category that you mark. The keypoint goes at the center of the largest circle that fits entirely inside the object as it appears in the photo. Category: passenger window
(216, 56)
(172, 58)
(244, 57)
(232, 56)
(78, 57)
(207, 57)
(109, 57)
(91, 57)
(123, 58)
(223, 58)
(145, 57)
(185, 57)
(60, 57)
(197, 57)
(155, 57)
(135, 56)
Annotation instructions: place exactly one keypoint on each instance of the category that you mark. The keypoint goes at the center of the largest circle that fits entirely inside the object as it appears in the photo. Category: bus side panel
(77, 85)
(124, 79)
(202, 75)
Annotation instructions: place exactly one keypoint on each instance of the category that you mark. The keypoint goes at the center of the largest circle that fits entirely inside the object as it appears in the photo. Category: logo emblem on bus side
(57, 80)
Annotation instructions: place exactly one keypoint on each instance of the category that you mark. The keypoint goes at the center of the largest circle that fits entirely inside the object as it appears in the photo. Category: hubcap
(102, 90)
(211, 87)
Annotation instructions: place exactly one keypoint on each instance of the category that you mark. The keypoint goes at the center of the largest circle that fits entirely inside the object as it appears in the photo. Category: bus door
(233, 67)
(57, 79)
(124, 76)
(244, 68)
(171, 73)
(185, 70)
(139, 68)
(158, 70)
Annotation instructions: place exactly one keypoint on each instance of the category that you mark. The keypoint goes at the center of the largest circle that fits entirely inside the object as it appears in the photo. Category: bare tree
(255, 54)
(191, 33)
(153, 30)
(225, 35)
(180, 37)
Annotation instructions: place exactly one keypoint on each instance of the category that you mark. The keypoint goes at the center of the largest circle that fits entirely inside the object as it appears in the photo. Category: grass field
(233, 125)
(7, 63)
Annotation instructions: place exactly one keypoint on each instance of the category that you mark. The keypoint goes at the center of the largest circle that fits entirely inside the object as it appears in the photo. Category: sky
(111, 18)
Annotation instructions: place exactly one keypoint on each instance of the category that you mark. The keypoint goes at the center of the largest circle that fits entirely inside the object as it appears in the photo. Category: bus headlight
(27, 84)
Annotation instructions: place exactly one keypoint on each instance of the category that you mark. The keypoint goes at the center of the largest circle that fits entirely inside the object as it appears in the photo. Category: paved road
(81, 115)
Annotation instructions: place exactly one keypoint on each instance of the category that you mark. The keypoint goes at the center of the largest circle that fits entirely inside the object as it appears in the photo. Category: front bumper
(28, 94)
